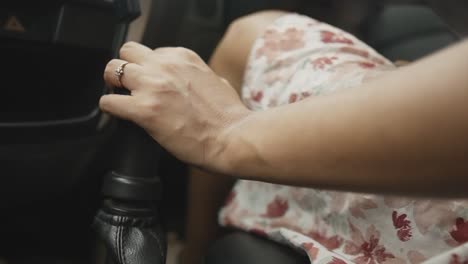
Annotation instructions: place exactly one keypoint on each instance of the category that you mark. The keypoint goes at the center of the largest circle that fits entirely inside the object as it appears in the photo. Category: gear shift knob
(129, 222)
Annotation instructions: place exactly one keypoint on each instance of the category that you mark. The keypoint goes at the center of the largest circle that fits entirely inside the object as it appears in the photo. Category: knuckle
(109, 65)
(186, 53)
(129, 45)
(161, 49)
(169, 66)
(191, 55)
(182, 51)
(123, 52)
(150, 106)
(108, 71)
(162, 84)
(153, 82)
(179, 50)
(152, 59)
(126, 48)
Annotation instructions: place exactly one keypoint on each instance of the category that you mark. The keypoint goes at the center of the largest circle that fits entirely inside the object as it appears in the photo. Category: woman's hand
(177, 99)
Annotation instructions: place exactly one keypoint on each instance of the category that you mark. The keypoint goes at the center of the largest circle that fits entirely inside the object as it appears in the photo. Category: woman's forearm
(406, 132)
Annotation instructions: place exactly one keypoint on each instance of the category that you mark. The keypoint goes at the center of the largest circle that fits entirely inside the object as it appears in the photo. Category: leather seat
(407, 32)
(241, 247)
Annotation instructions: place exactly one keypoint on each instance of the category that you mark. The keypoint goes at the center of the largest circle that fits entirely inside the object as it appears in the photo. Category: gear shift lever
(128, 221)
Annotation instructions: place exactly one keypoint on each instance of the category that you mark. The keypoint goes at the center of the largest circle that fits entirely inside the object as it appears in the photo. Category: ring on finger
(120, 71)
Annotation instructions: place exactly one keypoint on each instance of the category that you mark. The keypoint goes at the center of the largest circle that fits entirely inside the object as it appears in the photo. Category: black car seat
(54, 138)
(399, 32)
(407, 32)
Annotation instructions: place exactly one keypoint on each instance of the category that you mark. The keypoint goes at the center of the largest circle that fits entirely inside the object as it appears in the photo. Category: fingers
(122, 106)
(178, 52)
(134, 52)
(129, 79)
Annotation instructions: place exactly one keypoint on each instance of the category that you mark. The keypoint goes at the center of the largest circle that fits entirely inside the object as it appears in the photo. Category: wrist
(238, 147)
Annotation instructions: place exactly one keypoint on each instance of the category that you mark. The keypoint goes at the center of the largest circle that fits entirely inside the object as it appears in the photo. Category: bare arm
(406, 132)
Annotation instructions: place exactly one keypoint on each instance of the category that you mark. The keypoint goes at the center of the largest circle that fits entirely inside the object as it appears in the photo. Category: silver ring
(119, 72)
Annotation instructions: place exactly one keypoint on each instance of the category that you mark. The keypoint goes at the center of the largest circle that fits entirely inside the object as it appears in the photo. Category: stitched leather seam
(121, 254)
(159, 244)
(117, 238)
(124, 258)
(116, 243)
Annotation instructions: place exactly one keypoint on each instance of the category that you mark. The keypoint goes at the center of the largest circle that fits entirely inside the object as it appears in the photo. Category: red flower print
(276, 41)
(330, 243)
(404, 234)
(400, 221)
(277, 208)
(456, 260)
(257, 96)
(331, 37)
(366, 249)
(230, 198)
(403, 226)
(366, 65)
(460, 231)
(428, 214)
(362, 53)
(355, 51)
(396, 202)
(293, 39)
(312, 251)
(336, 260)
(258, 232)
(292, 98)
(320, 63)
(358, 206)
(227, 221)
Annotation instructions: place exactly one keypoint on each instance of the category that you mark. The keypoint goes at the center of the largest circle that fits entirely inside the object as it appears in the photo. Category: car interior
(74, 179)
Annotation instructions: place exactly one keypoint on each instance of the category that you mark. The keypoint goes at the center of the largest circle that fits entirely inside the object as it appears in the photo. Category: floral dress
(297, 57)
